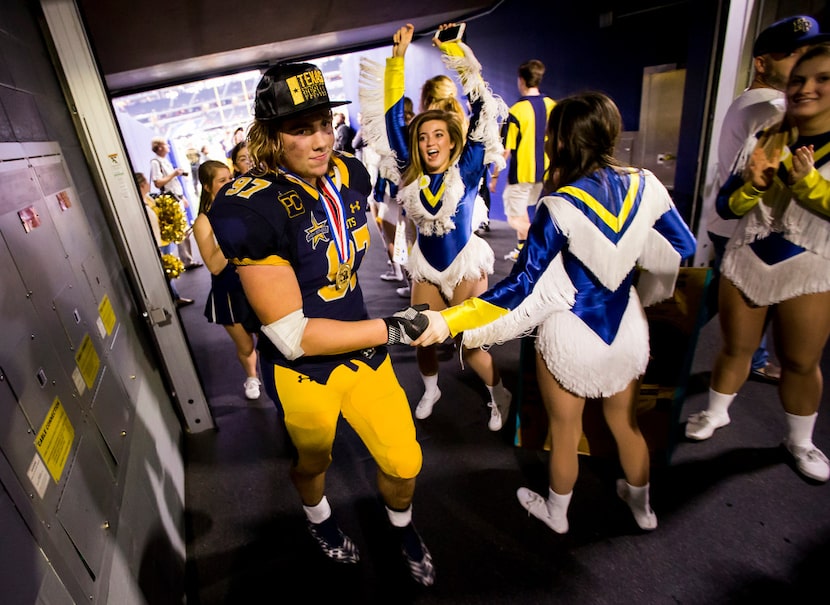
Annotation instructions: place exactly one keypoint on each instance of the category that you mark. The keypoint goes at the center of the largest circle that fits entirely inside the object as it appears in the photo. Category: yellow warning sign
(87, 361)
(54, 440)
(107, 314)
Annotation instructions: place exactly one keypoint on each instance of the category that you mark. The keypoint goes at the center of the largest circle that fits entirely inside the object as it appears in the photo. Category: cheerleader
(226, 304)
(779, 259)
(574, 281)
(438, 162)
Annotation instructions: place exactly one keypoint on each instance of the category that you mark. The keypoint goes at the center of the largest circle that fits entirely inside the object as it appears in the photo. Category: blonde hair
(436, 89)
(157, 142)
(265, 146)
(440, 92)
(455, 128)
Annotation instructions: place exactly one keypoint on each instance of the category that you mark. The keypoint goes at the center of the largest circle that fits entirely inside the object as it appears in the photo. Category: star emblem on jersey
(318, 232)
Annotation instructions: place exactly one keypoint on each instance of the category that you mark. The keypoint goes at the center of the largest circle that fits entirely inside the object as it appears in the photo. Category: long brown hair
(265, 146)
(454, 128)
(265, 143)
(207, 172)
(582, 132)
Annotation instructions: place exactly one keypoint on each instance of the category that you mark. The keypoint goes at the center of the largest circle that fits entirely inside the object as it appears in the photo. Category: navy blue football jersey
(281, 219)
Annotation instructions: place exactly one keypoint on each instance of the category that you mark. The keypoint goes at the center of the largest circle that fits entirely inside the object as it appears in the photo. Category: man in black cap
(762, 104)
(296, 227)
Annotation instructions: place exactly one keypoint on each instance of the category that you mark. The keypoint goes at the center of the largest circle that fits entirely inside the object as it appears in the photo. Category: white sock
(719, 403)
(400, 518)
(430, 383)
(498, 387)
(637, 500)
(558, 503)
(800, 429)
(319, 512)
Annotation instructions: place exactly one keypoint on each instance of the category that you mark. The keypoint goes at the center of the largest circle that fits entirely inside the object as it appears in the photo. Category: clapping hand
(803, 162)
(761, 169)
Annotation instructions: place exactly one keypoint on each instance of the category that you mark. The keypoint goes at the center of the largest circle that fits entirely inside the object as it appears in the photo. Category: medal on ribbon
(333, 205)
(344, 274)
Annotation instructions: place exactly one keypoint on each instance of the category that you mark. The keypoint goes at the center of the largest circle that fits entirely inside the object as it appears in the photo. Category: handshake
(404, 327)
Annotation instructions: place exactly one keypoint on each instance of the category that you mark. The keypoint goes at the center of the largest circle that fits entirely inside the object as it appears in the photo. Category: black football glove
(406, 326)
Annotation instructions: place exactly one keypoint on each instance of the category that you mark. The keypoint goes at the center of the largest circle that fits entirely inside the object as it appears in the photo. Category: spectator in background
(524, 145)
(343, 133)
(240, 159)
(360, 144)
(235, 138)
(195, 159)
(164, 247)
(166, 180)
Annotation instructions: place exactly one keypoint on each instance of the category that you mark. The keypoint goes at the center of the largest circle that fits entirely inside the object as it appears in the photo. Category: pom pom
(172, 222)
(173, 267)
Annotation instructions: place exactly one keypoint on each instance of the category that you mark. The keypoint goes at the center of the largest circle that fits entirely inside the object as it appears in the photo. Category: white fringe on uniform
(373, 126)
(583, 364)
(576, 356)
(806, 273)
(442, 221)
(474, 261)
(493, 110)
(554, 293)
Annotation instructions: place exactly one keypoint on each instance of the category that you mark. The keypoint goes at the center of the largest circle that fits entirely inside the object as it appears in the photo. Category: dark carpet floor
(737, 524)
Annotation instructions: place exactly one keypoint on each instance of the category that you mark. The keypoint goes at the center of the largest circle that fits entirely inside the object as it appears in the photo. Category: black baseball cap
(786, 35)
(287, 89)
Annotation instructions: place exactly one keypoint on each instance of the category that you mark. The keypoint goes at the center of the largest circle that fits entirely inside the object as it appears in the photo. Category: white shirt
(751, 112)
(160, 167)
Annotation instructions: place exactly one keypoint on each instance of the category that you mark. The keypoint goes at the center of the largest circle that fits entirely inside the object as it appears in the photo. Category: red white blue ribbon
(333, 205)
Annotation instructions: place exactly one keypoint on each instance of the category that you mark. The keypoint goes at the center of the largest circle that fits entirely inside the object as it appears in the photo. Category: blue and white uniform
(781, 246)
(442, 206)
(574, 280)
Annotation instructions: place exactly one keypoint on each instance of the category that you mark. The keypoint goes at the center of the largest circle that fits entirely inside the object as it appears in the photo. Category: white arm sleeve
(287, 334)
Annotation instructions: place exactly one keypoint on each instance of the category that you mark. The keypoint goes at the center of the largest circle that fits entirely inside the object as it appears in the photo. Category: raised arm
(393, 94)
(401, 40)
(487, 109)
